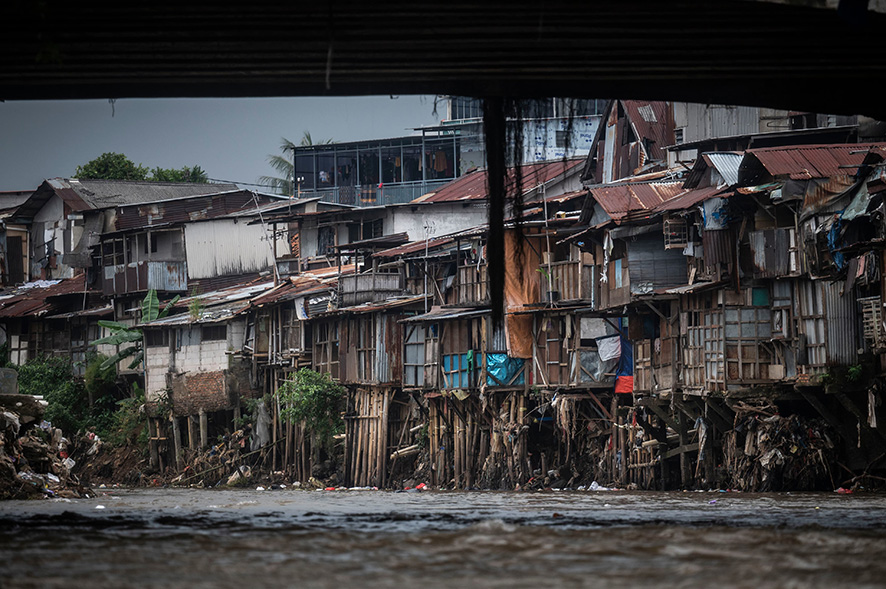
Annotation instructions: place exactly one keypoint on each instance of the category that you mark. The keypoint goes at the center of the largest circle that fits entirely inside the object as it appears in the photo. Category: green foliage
(194, 174)
(124, 334)
(282, 183)
(854, 373)
(128, 423)
(51, 377)
(117, 420)
(423, 438)
(315, 400)
(116, 166)
(99, 380)
(195, 306)
(111, 166)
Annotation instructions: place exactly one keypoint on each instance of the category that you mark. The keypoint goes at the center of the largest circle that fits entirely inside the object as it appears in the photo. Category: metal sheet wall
(842, 324)
(223, 247)
(651, 266)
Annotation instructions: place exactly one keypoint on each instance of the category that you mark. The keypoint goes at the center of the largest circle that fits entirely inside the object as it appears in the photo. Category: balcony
(371, 195)
(571, 280)
(356, 289)
(143, 276)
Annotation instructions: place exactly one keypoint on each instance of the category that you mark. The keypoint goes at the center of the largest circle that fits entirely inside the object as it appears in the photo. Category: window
(325, 241)
(112, 253)
(156, 338)
(152, 238)
(210, 333)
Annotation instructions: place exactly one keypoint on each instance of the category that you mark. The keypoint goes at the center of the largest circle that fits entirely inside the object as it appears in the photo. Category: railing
(170, 276)
(356, 289)
(570, 281)
(472, 285)
(372, 195)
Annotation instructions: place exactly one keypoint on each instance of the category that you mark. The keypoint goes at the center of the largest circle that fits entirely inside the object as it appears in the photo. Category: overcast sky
(230, 138)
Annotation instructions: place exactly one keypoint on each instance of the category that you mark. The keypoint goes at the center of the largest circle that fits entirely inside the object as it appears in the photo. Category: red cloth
(624, 384)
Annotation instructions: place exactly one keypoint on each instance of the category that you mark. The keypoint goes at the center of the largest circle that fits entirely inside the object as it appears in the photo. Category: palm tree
(282, 184)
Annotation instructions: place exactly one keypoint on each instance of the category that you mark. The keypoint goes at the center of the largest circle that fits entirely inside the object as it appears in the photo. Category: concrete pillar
(204, 429)
(177, 440)
(192, 432)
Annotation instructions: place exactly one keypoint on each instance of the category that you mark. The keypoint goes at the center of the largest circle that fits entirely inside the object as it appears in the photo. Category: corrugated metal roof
(473, 186)
(33, 299)
(621, 200)
(84, 195)
(726, 163)
(384, 241)
(816, 161)
(385, 305)
(440, 314)
(690, 198)
(191, 208)
(100, 194)
(653, 121)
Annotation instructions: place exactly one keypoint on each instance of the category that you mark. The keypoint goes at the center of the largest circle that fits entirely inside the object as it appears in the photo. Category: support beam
(657, 409)
(204, 429)
(177, 441)
(192, 432)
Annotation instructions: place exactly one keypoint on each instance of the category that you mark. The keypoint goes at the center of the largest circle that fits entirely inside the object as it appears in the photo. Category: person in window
(324, 177)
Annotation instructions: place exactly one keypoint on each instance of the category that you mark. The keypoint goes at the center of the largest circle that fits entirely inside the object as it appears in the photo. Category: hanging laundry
(609, 348)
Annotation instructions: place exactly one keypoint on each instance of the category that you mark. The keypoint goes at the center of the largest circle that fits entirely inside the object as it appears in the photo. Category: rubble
(776, 453)
(34, 460)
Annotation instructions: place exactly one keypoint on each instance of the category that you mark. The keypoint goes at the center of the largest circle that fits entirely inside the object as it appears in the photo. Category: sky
(230, 138)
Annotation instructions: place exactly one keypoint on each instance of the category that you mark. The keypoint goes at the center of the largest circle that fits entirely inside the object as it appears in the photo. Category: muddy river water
(247, 539)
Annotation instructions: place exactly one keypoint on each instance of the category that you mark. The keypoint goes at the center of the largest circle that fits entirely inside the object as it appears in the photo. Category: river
(247, 538)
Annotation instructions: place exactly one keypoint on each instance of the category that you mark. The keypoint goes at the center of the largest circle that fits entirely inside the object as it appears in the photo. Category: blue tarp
(626, 362)
(501, 368)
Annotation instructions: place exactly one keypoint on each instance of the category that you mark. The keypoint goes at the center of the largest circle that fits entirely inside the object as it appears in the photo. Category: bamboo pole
(383, 453)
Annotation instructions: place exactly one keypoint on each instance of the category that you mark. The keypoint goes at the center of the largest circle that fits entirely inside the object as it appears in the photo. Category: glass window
(411, 163)
(440, 159)
(391, 165)
(346, 168)
(325, 170)
(304, 170)
(213, 333)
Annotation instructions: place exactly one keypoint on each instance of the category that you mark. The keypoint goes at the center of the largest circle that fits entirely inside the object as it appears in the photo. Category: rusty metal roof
(805, 162)
(415, 246)
(623, 200)
(438, 313)
(382, 242)
(373, 307)
(473, 186)
(653, 122)
(35, 298)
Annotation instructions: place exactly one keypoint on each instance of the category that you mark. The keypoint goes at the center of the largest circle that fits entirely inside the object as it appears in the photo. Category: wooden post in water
(154, 442)
(685, 470)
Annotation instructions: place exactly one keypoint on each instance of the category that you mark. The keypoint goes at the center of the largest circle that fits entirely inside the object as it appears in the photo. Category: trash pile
(34, 456)
(774, 453)
(221, 463)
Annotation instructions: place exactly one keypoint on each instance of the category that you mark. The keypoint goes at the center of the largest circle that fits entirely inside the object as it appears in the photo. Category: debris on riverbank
(35, 457)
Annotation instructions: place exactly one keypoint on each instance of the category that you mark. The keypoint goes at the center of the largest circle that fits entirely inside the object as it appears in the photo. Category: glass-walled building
(398, 170)
(381, 171)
